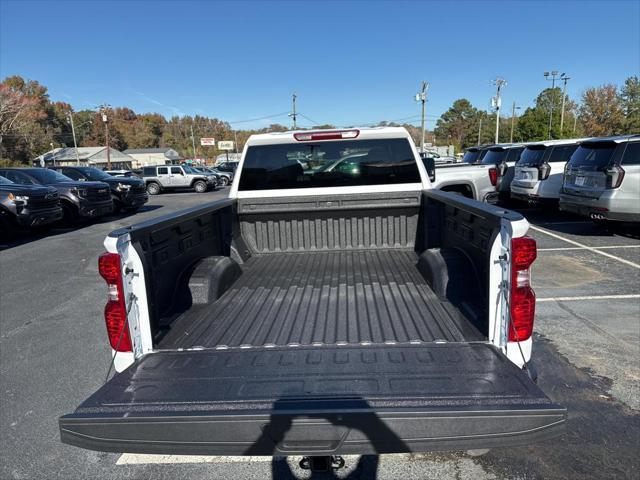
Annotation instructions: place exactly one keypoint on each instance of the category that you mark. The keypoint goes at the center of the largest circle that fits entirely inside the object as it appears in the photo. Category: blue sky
(349, 63)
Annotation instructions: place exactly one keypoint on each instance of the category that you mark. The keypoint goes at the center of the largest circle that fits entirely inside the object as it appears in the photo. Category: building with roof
(144, 157)
(86, 156)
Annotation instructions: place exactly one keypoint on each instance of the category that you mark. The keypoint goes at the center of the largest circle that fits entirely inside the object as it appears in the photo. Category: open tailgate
(316, 401)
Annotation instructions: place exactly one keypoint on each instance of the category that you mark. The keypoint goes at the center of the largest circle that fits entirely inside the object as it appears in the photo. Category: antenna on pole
(421, 97)
(293, 113)
(496, 102)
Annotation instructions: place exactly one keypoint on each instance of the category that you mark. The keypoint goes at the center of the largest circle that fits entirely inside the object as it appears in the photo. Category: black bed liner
(339, 297)
(316, 400)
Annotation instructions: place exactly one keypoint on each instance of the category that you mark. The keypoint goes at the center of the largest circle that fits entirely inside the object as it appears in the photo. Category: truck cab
(320, 312)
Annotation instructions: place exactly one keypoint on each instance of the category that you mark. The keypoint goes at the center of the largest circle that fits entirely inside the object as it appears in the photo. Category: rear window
(495, 156)
(329, 164)
(593, 155)
(562, 153)
(532, 156)
(514, 154)
(632, 154)
(471, 156)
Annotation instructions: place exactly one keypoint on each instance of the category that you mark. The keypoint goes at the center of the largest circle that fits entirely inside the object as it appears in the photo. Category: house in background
(86, 157)
(146, 157)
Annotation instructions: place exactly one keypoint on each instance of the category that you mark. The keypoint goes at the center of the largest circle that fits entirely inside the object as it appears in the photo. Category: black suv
(27, 206)
(78, 199)
(128, 193)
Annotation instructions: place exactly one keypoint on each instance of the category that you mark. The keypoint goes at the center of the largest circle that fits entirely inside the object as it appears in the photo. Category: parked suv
(602, 179)
(128, 193)
(504, 158)
(78, 199)
(27, 206)
(173, 177)
(538, 173)
(224, 178)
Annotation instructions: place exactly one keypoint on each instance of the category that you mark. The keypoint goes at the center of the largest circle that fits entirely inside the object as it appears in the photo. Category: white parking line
(606, 247)
(586, 247)
(587, 297)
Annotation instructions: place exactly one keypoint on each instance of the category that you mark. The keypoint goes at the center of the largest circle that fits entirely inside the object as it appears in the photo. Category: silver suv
(602, 179)
(174, 177)
(538, 173)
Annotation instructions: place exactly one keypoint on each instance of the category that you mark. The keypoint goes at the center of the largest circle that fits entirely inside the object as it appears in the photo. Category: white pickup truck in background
(320, 311)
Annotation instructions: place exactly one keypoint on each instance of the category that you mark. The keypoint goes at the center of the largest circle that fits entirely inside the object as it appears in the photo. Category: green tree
(630, 102)
(601, 112)
(459, 123)
(533, 124)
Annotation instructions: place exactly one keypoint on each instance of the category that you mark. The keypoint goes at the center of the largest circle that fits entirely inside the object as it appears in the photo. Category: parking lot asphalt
(54, 353)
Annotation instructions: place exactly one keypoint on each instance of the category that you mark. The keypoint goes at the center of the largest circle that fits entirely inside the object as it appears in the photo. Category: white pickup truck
(320, 312)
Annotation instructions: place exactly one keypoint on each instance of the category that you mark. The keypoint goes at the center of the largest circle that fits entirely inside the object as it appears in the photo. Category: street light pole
(193, 143)
(105, 119)
(565, 78)
(479, 129)
(553, 76)
(293, 113)
(421, 97)
(73, 131)
(513, 118)
(499, 83)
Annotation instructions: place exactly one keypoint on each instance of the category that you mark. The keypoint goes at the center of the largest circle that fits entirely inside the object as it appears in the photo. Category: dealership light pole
(73, 131)
(480, 127)
(293, 113)
(513, 118)
(193, 143)
(105, 119)
(497, 101)
(421, 97)
(553, 74)
(565, 78)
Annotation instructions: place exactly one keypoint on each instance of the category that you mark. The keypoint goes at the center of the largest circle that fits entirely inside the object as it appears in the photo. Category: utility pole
(193, 143)
(293, 114)
(73, 131)
(565, 78)
(513, 118)
(105, 119)
(479, 129)
(553, 76)
(497, 101)
(575, 122)
(421, 97)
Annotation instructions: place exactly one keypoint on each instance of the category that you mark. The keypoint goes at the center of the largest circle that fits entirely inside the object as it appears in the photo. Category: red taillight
(615, 175)
(333, 135)
(523, 298)
(493, 176)
(115, 311)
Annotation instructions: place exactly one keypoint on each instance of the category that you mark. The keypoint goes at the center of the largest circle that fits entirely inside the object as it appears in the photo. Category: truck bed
(311, 298)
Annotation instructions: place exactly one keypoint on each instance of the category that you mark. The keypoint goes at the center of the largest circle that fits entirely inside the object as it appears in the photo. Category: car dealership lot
(54, 352)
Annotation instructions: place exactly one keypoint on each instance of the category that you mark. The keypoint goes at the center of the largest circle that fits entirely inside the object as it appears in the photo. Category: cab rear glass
(329, 164)
(471, 156)
(596, 155)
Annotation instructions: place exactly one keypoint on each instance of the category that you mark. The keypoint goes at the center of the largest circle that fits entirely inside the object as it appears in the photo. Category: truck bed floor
(343, 297)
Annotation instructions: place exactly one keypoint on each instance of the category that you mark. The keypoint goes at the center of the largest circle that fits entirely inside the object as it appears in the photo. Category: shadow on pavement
(282, 434)
(22, 237)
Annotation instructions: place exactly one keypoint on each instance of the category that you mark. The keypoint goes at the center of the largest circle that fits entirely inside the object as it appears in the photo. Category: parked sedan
(26, 206)
(602, 180)
(127, 193)
(78, 199)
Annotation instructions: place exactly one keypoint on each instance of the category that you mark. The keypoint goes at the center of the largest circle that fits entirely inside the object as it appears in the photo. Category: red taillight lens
(493, 176)
(333, 135)
(115, 311)
(615, 175)
(523, 298)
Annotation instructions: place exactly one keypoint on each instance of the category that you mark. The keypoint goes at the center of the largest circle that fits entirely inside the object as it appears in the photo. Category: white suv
(538, 173)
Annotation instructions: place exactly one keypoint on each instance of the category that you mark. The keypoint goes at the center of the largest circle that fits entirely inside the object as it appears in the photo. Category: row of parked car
(595, 177)
(38, 197)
